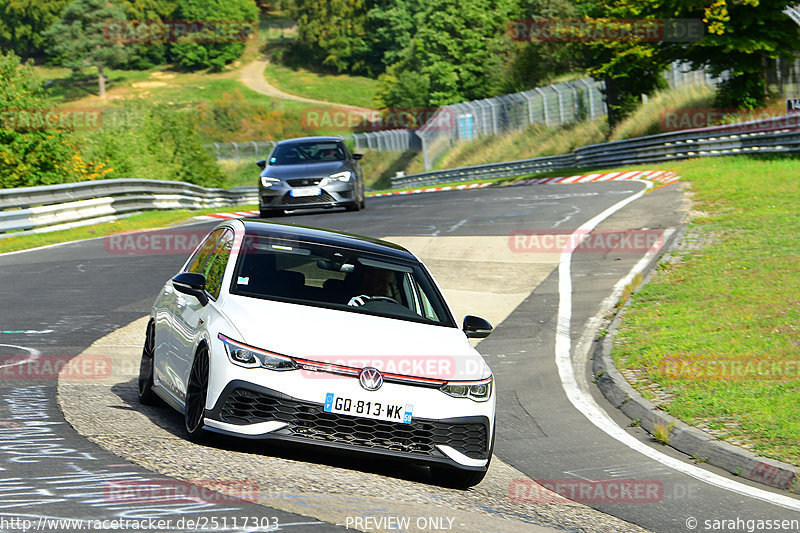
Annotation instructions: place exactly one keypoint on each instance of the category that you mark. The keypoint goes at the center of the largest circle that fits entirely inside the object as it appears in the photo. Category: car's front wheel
(196, 392)
(456, 478)
(146, 394)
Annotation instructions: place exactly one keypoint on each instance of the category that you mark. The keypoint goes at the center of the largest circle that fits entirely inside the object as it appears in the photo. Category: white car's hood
(354, 339)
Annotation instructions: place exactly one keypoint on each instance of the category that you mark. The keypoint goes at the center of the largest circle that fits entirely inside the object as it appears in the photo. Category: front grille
(310, 421)
(323, 198)
(304, 182)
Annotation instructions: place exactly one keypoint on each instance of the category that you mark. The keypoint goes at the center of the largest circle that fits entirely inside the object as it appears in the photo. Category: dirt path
(252, 75)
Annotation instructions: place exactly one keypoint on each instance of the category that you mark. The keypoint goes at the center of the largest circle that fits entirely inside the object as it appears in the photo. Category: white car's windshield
(339, 278)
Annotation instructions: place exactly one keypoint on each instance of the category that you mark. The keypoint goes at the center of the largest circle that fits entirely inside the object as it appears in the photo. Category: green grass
(339, 88)
(141, 221)
(239, 173)
(720, 327)
(647, 119)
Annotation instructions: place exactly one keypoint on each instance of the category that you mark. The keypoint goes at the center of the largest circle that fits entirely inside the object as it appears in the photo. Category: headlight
(345, 175)
(479, 391)
(250, 357)
(266, 181)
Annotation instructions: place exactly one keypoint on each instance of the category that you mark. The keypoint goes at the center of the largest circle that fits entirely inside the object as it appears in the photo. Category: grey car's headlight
(266, 181)
(250, 357)
(345, 175)
(479, 391)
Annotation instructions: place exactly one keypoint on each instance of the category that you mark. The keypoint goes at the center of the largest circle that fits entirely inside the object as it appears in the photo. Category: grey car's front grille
(304, 182)
(323, 198)
(310, 421)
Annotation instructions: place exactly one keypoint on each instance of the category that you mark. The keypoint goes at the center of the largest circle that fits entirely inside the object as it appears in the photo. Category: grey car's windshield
(307, 152)
(338, 278)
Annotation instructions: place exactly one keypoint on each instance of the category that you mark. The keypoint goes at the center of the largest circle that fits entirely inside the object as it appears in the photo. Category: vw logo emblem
(370, 379)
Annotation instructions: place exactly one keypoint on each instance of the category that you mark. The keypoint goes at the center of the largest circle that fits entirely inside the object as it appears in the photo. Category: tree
(333, 31)
(741, 35)
(148, 54)
(389, 27)
(190, 53)
(535, 63)
(459, 48)
(23, 23)
(80, 39)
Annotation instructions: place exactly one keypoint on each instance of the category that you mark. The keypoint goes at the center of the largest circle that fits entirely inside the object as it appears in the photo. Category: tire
(363, 199)
(457, 478)
(355, 206)
(196, 392)
(270, 213)
(146, 394)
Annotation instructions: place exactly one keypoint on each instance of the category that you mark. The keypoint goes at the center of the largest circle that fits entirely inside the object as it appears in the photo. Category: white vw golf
(309, 336)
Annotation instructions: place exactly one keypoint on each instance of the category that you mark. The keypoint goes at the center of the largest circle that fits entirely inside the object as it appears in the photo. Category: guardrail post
(544, 105)
(560, 104)
(590, 91)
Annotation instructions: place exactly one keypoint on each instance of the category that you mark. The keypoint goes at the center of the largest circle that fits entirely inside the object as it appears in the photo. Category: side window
(199, 259)
(215, 267)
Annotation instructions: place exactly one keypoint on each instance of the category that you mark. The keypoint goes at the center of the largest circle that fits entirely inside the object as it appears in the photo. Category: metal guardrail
(771, 135)
(54, 207)
(493, 170)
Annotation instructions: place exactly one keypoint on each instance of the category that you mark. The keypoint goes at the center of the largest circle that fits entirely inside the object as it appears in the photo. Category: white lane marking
(34, 353)
(582, 400)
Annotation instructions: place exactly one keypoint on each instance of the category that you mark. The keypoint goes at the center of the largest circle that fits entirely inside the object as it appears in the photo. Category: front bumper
(332, 195)
(247, 410)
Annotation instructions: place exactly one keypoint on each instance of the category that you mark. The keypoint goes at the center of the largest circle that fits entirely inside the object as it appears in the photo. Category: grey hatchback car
(310, 173)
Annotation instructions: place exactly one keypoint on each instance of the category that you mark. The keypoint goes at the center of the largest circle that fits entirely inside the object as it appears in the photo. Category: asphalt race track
(58, 301)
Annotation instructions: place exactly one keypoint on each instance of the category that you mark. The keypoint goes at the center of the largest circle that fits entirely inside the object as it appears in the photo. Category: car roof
(264, 228)
(310, 139)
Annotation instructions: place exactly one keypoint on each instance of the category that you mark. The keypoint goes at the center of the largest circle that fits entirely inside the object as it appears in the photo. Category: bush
(153, 142)
(34, 153)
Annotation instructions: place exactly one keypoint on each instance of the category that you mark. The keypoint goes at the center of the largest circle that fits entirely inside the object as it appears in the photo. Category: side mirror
(357, 156)
(192, 284)
(476, 327)
(262, 163)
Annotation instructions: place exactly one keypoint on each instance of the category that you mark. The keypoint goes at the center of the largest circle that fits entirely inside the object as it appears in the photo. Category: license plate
(305, 191)
(368, 409)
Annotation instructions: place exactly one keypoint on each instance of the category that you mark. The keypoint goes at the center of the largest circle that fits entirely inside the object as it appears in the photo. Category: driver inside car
(375, 282)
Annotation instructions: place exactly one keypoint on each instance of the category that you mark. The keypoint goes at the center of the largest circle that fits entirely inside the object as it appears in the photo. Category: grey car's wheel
(196, 392)
(363, 199)
(269, 213)
(146, 394)
(355, 206)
